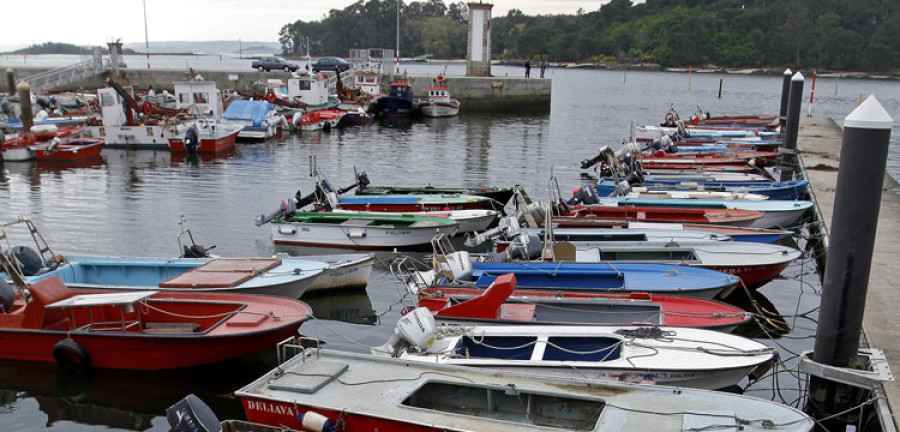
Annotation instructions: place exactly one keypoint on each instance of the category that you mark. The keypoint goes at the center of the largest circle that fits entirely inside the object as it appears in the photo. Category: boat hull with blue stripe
(776, 213)
(787, 190)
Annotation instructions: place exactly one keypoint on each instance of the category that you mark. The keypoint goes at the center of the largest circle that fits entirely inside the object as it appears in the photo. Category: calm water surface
(129, 203)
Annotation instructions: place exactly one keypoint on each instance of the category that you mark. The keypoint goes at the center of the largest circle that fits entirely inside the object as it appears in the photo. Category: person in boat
(527, 68)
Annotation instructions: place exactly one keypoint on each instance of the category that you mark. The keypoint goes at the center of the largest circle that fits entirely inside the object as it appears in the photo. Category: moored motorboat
(344, 271)
(786, 190)
(365, 392)
(397, 103)
(505, 304)
(258, 118)
(439, 103)
(470, 220)
(775, 213)
(683, 357)
(140, 330)
(457, 269)
(68, 150)
(414, 202)
(358, 231)
(589, 215)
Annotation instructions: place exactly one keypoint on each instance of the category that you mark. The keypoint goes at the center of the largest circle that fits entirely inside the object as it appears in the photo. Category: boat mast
(398, 37)
(146, 38)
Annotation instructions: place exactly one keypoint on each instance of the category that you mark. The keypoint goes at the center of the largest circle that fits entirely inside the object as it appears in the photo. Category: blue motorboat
(609, 277)
(398, 103)
(786, 190)
(282, 276)
(776, 213)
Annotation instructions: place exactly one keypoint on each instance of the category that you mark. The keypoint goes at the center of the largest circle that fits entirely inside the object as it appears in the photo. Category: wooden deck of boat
(819, 142)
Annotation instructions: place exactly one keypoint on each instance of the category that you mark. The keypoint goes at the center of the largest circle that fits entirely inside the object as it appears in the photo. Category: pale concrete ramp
(57, 78)
(819, 144)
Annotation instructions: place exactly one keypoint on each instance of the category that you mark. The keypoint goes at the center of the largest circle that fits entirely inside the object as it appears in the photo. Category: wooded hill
(840, 35)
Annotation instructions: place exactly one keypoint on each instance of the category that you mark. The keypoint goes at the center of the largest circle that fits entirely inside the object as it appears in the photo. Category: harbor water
(130, 202)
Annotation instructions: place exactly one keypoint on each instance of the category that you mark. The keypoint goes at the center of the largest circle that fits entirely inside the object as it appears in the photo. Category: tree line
(839, 35)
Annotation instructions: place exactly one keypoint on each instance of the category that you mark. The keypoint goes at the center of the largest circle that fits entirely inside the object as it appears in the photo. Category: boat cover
(254, 111)
(221, 273)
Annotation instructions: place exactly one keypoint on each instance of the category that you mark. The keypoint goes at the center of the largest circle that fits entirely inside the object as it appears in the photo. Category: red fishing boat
(69, 150)
(551, 307)
(139, 330)
(600, 215)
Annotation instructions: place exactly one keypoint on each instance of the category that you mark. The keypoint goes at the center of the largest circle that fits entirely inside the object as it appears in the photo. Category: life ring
(440, 79)
(670, 118)
(270, 96)
(147, 108)
(71, 356)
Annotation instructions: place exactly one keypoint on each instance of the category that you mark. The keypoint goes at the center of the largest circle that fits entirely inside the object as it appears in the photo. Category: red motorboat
(69, 150)
(469, 306)
(600, 215)
(139, 330)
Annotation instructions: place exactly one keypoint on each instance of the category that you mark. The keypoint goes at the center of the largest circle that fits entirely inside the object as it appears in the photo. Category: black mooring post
(857, 199)
(11, 81)
(792, 127)
(785, 92)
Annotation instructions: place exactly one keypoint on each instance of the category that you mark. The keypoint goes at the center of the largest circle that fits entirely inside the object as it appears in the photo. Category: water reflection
(349, 305)
(767, 321)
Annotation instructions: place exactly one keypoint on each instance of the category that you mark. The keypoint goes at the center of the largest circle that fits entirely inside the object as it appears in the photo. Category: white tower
(478, 58)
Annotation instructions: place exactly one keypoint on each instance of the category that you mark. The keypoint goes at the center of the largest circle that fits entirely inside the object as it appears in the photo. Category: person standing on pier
(543, 66)
(527, 68)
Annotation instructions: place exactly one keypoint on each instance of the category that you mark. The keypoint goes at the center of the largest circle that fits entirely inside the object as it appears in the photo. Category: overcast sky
(95, 22)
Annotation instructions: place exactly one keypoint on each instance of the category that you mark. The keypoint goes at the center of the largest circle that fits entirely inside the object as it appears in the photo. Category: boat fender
(315, 422)
(270, 96)
(28, 260)
(71, 356)
(7, 296)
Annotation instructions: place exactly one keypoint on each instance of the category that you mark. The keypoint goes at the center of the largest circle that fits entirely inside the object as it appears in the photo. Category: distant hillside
(56, 48)
(219, 47)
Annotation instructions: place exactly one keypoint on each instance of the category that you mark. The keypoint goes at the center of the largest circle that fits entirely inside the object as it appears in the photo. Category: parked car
(273, 63)
(327, 64)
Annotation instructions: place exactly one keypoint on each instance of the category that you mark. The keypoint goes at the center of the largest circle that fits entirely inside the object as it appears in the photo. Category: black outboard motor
(585, 195)
(192, 140)
(192, 415)
(196, 251)
(28, 260)
(7, 296)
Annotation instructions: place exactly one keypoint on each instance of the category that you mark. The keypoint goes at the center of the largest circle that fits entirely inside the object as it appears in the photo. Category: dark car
(327, 64)
(273, 63)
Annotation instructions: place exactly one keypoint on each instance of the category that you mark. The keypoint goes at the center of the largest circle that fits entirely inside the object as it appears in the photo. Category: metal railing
(67, 75)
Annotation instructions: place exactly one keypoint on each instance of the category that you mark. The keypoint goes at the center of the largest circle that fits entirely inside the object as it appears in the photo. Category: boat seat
(486, 305)
(564, 251)
(43, 293)
(517, 312)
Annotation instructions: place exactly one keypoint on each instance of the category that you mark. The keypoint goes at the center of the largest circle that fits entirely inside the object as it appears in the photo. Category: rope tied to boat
(646, 333)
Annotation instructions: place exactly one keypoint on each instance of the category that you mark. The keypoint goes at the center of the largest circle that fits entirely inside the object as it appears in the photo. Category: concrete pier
(477, 94)
(819, 145)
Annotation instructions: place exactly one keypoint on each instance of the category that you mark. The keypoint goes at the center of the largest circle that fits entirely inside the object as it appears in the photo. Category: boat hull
(70, 150)
(364, 238)
(207, 144)
(439, 109)
(345, 271)
(132, 137)
(250, 324)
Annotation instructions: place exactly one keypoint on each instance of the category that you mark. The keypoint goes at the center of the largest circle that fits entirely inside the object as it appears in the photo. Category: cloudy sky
(95, 22)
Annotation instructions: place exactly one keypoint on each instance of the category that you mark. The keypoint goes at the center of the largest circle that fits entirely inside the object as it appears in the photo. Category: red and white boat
(465, 305)
(439, 102)
(209, 136)
(598, 215)
(68, 150)
(140, 330)
(320, 119)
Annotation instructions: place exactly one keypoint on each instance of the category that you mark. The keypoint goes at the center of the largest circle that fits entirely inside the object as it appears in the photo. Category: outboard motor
(525, 247)
(192, 140)
(29, 262)
(7, 296)
(416, 330)
(192, 415)
(585, 195)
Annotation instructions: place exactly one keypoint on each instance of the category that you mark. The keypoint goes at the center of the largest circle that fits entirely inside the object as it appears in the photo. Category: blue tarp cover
(254, 111)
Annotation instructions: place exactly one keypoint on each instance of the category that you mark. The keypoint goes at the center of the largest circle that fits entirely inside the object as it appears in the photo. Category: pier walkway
(819, 143)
